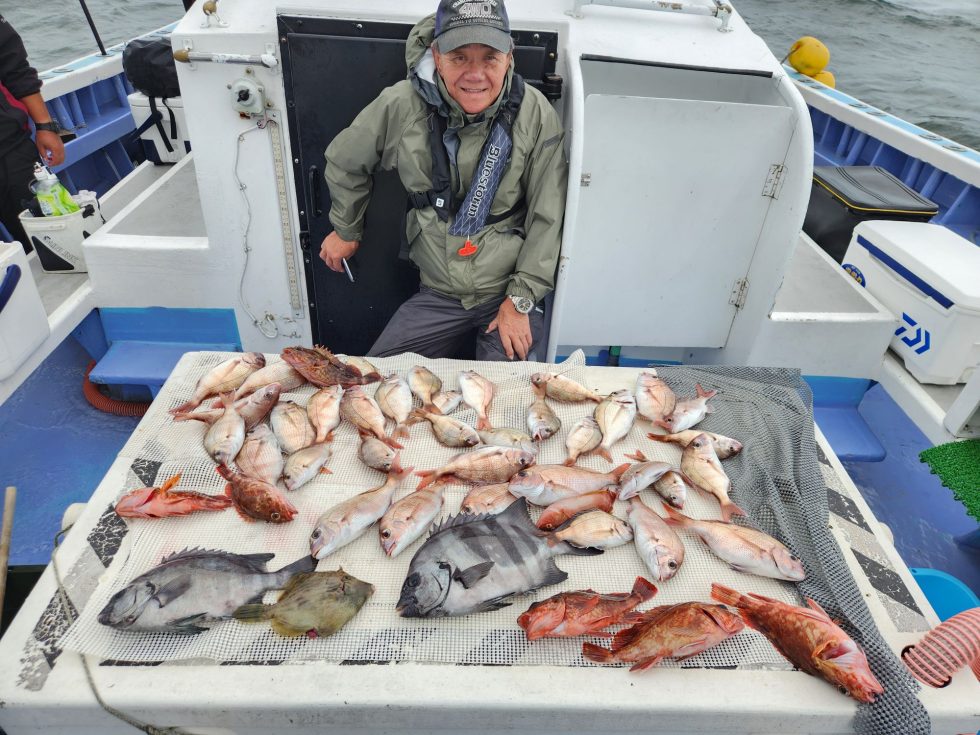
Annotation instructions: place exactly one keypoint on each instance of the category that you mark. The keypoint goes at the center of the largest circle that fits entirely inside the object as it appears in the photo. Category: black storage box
(843, 196)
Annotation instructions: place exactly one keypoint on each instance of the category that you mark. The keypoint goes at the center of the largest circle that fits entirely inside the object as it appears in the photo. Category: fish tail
(644, 589)
(638, 456)
(604, 453)
(214, 502)
(726, 595)
(401, 431)
(729, 509)
(702, 393)
(483, 424)
(186, 407)
(420, 414)
(596, 653)
(371, 377)
(675, 518)
(390, 441)
(255, 613)
(429, 407)
(428, 477)
(665, 438)
(618, 471)
(397, 471)
(188, 416)
(224, 471)
(170, 483)
(228, 399)
(663, 425)
(570, 462)
(303, 564)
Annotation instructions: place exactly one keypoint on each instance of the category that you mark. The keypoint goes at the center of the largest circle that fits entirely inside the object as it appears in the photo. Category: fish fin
(228, 399)
(428, 477)
(644, 589)
(638, 456)
(303, 564)
(329, 437)
(469, 577)
(553, 575)
(618, 471)
(326, 471)
(676, 518)
(494, 604)
(601, 633)
(627, 635)
(285, 630)
(729, 509)
(252, 613)
(815, 606)
(243, 515)
(170, 483)
(173, 589)
(460, 519)
(391, 442)
(483, 424)
(631, 618)
(401, 431)
(570, 462)
(578, 550)
(604, 453)
(600, 655)
(647, 663)
(708, 408)
(691, 649)
(725, 595)
(517, 514)
(665, 438)
(185, 407)
(702, 393)
(186, 625)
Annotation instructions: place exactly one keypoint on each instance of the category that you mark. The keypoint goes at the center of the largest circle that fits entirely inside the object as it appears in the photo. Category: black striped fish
(472, 563)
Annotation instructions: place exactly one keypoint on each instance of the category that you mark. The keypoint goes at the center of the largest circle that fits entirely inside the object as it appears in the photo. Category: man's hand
(334, 249)
(50, 147)
(513, 328)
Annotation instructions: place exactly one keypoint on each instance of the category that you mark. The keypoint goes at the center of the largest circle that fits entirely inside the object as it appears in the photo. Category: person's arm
(49, 143)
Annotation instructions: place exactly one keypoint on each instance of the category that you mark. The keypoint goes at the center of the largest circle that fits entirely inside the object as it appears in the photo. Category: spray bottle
(53, 198)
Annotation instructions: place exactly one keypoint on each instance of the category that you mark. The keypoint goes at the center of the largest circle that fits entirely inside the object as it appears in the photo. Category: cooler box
(930, 279)
(844, 196)
(23, 321)
(165, 140)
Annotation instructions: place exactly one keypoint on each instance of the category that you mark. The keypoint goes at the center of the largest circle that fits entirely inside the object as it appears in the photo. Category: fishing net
(776, 479)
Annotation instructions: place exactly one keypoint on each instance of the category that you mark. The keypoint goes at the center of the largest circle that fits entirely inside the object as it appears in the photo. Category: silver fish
(654, 398)
(583, 437)
(229, 375)
(447, 401)
(364, 412)
(548, 483)
(506, 437)
(596, 529)
(477, 394)
(484, 465)
(689, 412)
(323, 410)
(292, 427)
(260, 456)
(225, 436)
(615, 416)
(725, 446)
(641, 475)
(492, 499)
(660, 548)
(424, 384)
(672, 487)
(394, 398)
(278, 372)
(409, 518)
(447, 430)
(304, 464)
(700, 464)
(563, 388)
(376, 454)
(541, 420)
(252, 408)
(474, 563)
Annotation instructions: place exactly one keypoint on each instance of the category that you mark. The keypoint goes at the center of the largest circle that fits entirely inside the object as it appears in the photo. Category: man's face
(473, 75)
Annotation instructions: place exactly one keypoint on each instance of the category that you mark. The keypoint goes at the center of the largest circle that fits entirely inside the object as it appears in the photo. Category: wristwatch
(51, 127)
(522, 303)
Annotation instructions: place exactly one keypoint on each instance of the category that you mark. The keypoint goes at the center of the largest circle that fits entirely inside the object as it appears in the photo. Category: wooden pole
(9, 500)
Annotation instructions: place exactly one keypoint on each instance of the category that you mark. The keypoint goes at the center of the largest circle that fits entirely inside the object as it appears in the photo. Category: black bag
(150, 67)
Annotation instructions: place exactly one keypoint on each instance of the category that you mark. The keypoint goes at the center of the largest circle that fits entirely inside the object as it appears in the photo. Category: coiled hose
(946, 649)
(110, 405)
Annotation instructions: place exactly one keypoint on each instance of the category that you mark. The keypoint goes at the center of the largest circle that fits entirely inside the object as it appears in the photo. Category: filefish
(409, 518)
(672, 488)
(315, 604)
(584, 612)
(292, 427)
(549, 483)
(305, 464)
(224, 438)
(394, 398)
(615, 416)
(541, 420)
(595, 528)
(277, 372)
(376, 454)
(321, 367)
(477, 394)
(700, 463)
(725, 446)
(447, 430)
(744, 549)
(192, 587)
(656, 543)
(163, 502)
(260, 456)
(363, 411)
(227, 376)
(583, 437)
(491, 499)
(447, 401)
(506, 437)
(809, 639)
(425, 384)
(256, 499)
(481, 466)
(641, 475)
(562, 388)
(474, 563)
(669, 631)
(560, 511)
(689, 412)
(252, 408)
(346, 521)
(323, 411)
(654, 398)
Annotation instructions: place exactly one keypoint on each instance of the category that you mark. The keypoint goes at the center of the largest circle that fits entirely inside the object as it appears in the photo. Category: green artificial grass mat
(958, 467)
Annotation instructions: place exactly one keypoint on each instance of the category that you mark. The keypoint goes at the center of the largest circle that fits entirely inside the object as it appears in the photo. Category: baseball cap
(461, 22)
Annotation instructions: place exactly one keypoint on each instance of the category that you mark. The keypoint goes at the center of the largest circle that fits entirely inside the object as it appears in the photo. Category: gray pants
(434, 325)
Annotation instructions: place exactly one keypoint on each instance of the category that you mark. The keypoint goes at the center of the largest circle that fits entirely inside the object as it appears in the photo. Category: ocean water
(919, 59)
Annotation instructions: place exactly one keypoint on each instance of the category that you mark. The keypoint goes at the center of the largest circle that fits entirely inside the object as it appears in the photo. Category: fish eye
(412, 581)
(842, 689)
(386, 533)
(316, 534)
(275, 515)
(522, 473)
(794, 557)
(672, 564)
(467, 509)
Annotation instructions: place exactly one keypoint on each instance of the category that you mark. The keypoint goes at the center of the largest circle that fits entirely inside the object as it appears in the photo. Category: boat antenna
(91, 24)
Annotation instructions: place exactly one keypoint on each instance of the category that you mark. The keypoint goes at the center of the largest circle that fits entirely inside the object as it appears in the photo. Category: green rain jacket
(517, 256)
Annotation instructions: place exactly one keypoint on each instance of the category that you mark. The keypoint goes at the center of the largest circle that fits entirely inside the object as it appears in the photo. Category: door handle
(10, 280)
(315, 191)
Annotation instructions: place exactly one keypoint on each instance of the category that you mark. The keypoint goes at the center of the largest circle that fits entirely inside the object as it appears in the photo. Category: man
(20, 97)
(482, 155)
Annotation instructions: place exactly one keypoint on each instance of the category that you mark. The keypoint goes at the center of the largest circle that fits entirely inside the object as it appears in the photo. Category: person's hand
(334, 249)
(513, 328)
(51, 148)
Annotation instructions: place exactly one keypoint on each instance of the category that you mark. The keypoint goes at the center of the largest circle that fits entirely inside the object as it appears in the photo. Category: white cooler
(174, 131)
(23, 321)
(930, 278)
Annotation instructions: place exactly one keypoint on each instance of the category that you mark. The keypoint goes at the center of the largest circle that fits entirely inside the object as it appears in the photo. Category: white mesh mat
(377, 633)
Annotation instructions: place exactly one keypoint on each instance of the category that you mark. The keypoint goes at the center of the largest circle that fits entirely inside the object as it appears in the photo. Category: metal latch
(774, 181)
(739, 291)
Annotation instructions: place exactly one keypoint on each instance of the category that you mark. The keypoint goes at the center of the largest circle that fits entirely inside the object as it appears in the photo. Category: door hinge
(774, 181)
(739, 290)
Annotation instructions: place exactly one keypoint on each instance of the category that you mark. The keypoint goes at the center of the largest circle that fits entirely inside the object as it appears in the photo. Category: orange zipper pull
(467, 250)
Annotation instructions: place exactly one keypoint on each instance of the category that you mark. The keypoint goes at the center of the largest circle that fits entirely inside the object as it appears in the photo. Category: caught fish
(491, 499)
(163, 501)
(192, 587)
(256, 499)
(447, 430)
(689, 412)
(277, 372)
(584, 612)
(321, 367)
(305, 464)
(615, 416)
(425, 384)
(654, 398)
(672, 488)
(315, 604)
(260, 456)
(700, 464)
(323, 411)
(669, 631)
(225, 436)
(583, 437)
(363, 411)
(474, 563)
(409, 518)
(559, 512)
(725, 446)
(365, 366)
(481, 466)
(477, 394)
(394, 398)
(228, 376)
(562, 388)
(660, 548)
(744, 549)
(809, 639)
(292, 427)
(505, 437)
(252, 408)
(447, 401)
(541, 420)
(346, 521)
(641, 475)
(549, 483)
(596, 529)
(376, 454)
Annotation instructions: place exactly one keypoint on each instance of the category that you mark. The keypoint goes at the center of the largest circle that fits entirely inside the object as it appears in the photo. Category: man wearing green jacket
(482, 156)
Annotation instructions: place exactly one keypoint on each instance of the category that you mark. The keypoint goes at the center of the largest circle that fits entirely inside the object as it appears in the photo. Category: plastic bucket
(58, 240)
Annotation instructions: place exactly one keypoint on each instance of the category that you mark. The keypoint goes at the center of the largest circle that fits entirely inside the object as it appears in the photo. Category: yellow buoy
(808, 56)
(826, 77)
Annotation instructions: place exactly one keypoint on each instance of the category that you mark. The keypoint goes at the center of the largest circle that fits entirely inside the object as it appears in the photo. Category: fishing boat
(691, 151)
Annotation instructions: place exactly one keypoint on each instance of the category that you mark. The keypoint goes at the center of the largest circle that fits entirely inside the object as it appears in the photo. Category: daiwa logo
(920, 338)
